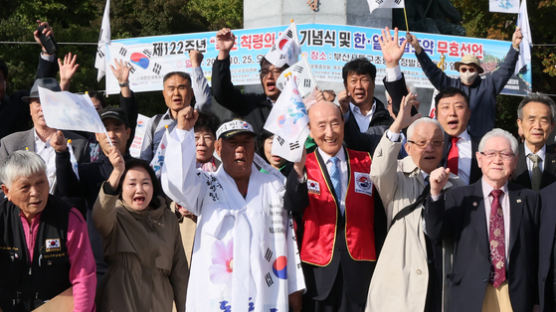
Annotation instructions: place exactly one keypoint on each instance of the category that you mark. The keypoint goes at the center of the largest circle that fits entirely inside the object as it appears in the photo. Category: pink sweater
(82, 273)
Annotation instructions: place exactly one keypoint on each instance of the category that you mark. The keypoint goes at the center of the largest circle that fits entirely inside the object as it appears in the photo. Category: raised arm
(47, 63)
(104, 210)
(68, 68)
(180, 179)
(199, 84)
(127, 97)
(500, 76)
(436, 76)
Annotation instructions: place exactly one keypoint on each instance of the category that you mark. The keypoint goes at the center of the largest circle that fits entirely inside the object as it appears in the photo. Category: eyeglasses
(434, 143)
(493, 154)
(464, 69)
(275, 72)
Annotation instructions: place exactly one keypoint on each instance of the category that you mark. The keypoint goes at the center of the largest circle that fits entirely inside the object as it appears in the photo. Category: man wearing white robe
(245, 256)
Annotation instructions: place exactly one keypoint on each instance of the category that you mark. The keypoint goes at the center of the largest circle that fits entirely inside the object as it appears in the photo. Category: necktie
(453, 156)
(496, 239)
(335, 177)
(536, 173)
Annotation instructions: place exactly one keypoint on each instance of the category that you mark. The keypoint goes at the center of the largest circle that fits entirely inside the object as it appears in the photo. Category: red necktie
(496, 239)
(453, 156)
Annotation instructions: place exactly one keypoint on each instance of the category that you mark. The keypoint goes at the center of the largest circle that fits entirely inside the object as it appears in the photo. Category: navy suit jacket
(546, 245)
(459, 216)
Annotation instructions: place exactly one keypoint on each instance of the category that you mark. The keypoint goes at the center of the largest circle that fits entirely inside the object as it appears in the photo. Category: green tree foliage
(79, 21)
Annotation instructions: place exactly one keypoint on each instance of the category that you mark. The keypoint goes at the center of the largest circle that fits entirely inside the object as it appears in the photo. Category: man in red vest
(331, 192)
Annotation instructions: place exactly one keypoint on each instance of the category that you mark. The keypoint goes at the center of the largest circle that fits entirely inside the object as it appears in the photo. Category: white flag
(286, 50)
(387, 4)
(526, 42)
(301, 73)
(503, 6)
(288, 121)
(103, 40)
(68, 111)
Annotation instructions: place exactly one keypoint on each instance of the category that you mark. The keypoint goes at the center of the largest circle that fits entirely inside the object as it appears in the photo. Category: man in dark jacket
(481, 92)
(254, 108)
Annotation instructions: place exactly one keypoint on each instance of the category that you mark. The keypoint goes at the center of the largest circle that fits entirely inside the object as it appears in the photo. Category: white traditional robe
(245, 256)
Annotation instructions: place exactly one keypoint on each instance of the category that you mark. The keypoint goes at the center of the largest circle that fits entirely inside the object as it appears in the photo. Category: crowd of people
(386, 211)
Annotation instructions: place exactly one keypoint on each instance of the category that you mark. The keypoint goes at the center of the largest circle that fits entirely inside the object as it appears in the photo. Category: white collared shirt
(541, 153)
(363, 121)
(48, 154)
(343, 173)
(505, 203)
(465, 155)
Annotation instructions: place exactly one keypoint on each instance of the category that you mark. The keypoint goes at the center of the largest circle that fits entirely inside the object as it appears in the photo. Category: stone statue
(431, 16)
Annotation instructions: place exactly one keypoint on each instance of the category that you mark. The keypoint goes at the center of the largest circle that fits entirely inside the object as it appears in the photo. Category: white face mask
(468, 78)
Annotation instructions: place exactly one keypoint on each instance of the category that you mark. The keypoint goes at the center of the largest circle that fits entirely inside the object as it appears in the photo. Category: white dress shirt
(505, 203)
(541, 153)
(48, 154)
(465, 155)
(343, 173)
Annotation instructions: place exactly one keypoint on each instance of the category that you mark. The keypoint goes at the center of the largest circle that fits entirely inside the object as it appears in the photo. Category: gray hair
(20, 164)
(419, 121)
(499, 133)
(537, 97)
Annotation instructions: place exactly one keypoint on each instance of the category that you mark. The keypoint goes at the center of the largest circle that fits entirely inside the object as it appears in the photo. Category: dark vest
(23, 285)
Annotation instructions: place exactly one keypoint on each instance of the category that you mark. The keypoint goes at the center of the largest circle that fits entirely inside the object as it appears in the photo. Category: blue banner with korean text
(327, 47)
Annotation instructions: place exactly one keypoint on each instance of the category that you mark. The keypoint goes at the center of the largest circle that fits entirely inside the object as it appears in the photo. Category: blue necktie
(335, 177)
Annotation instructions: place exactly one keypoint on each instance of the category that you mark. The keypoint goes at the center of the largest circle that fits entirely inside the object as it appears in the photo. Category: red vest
(321, 216)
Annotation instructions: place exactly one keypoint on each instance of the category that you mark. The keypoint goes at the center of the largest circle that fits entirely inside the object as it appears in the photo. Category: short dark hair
(140, 163)
(97, 95)
(449, 92)
(537, 97)
(4, 69)
(359, 66)
(184, 75)
(208, 122)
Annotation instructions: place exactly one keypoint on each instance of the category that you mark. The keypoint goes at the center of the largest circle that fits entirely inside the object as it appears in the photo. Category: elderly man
(494, 227)
(453, 112)
(408, 275)
(482, 92)
(536, 164)
(244, 255)
(180, 90)
(332, 194)
(44, 247)
(38, 139)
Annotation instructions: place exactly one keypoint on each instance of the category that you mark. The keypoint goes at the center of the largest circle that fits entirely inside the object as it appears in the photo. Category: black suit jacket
(475, 173)
(356, 274)
(380, 122)
(521, 173)
(459, 216)
(547, 233)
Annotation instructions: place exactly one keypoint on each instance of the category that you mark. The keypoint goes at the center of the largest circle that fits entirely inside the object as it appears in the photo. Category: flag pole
(405, 16)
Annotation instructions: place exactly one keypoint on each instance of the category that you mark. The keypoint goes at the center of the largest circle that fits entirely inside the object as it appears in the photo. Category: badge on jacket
(52, 245)
(313, 187)
(363, 183)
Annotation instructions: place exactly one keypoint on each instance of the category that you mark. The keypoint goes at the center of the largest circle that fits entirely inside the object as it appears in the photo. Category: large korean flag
(301, 73)
(286, 50)
(68, 111)
(288, 121)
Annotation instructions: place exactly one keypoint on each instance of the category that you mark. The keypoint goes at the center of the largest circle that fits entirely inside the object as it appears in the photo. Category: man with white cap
(245, 255)
(482, 92)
